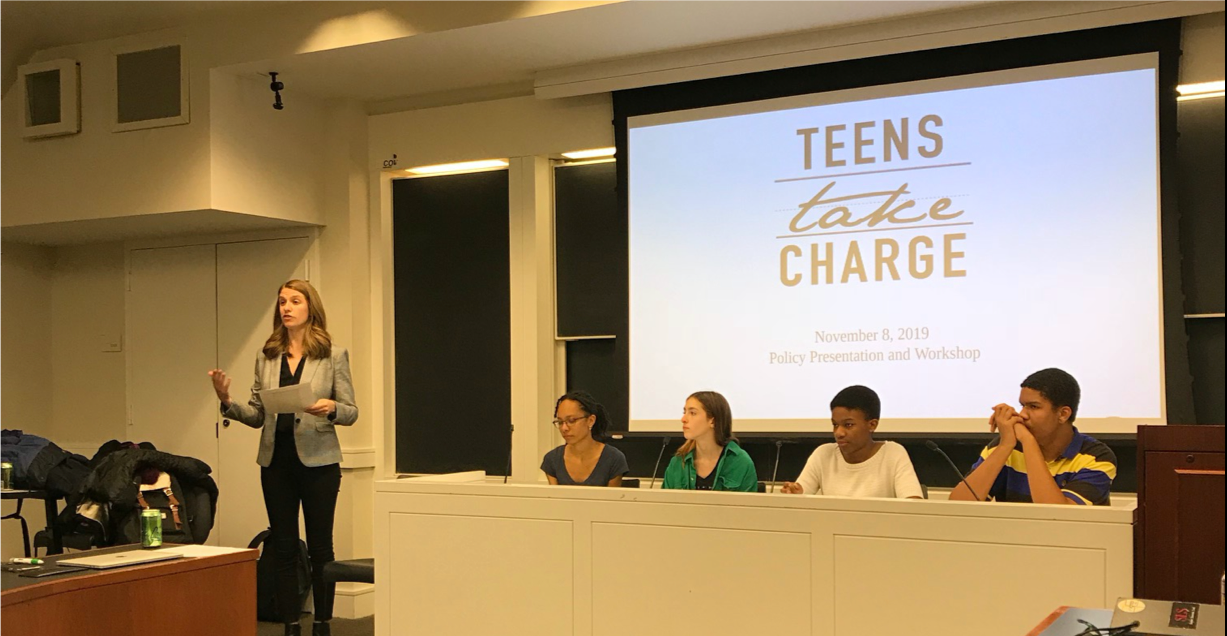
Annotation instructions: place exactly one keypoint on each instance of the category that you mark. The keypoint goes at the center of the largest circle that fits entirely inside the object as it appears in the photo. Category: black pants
(287, 484)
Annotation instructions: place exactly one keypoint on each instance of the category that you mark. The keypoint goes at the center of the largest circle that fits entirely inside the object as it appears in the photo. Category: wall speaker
(150, 88)
(51, 98)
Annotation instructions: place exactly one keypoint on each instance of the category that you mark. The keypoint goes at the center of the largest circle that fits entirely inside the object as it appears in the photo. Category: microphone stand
(932, 445)
(664, 441)
(510, 435)
(779, 444)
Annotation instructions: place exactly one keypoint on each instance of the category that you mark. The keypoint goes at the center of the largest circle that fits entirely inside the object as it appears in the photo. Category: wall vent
(150, 88)
(51, 98)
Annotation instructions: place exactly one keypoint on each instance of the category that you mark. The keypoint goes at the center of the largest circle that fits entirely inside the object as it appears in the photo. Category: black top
(705, 483)
(611, 464)
(285, 421)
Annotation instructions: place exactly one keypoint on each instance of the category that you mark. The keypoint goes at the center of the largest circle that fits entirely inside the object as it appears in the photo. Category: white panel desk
(478, 558)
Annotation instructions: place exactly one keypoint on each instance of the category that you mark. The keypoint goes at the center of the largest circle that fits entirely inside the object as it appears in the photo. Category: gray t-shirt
(611, 464)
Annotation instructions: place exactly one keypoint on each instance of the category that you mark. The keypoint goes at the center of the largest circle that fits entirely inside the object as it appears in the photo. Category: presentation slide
(937, 241)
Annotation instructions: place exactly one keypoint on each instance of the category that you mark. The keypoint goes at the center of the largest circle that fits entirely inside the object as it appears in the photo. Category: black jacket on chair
(107, 506)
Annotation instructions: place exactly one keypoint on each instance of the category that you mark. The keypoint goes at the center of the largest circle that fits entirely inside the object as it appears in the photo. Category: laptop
(120, 559)
(1167, 618)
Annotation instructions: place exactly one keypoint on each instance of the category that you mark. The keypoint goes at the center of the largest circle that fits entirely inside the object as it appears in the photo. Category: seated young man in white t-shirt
(855, 465)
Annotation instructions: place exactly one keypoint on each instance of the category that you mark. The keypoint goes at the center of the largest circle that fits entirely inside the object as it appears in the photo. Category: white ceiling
(51, 23)
(507, 54)
(442, 59)
(30, 25)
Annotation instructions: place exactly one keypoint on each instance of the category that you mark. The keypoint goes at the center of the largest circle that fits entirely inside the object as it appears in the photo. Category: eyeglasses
(570, 421)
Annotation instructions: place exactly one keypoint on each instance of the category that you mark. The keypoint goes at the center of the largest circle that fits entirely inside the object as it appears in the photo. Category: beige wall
(61, 309)
(25, 328)
(169, 169)
(516, 127)
(264, 161)
(25, 366)
(107, 174)
(344, 279)
(1202, 43)
(88, 401)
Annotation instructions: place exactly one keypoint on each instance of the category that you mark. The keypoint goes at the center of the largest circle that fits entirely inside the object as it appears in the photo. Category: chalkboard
(451, 255)
(590, 253)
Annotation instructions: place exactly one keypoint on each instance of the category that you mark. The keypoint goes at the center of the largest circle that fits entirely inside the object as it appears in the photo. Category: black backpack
(176, 527)
(267, 607)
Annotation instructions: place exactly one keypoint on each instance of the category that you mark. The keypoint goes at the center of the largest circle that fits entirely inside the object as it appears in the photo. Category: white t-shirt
(887, 474)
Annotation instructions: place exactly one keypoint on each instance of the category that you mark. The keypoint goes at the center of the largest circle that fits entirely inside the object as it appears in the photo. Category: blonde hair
(718, 409)
(316, 342)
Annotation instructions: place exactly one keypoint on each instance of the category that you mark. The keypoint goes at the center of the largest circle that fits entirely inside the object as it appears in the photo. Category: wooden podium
(1179, 541)
(198, 596)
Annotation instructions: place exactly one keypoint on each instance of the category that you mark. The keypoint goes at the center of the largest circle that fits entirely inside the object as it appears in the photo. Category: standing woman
(585, 459)
(711, 458)
(299, 455)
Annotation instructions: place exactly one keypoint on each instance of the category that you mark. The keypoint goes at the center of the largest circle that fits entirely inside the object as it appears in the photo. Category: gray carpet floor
(340, 627)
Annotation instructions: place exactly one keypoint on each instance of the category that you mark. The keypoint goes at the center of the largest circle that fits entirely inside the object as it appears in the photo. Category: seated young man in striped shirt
(1039, 456)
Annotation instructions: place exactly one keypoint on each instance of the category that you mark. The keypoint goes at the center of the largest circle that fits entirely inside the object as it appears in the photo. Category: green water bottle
(151, 528)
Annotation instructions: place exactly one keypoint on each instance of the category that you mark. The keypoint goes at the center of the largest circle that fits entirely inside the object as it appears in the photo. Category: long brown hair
(316, 342)
(720, 412)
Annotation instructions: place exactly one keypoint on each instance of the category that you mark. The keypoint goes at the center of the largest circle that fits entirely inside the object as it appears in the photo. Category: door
(248, 277)
(172, 343)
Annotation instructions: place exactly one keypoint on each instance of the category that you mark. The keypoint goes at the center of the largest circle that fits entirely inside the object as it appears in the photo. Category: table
(1064, 621)
(482, 558)
(199, 596)
(49, 506)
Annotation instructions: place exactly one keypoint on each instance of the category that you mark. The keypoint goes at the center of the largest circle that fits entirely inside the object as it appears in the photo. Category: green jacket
(734, 472)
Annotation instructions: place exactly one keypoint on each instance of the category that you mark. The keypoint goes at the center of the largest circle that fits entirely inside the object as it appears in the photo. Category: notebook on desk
(120, 559)
(1165, 618)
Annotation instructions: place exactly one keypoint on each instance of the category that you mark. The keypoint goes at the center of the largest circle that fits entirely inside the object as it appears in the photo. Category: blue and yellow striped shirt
(1084, 472)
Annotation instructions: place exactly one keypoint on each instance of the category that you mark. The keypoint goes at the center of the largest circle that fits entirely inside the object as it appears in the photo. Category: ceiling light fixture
(455, 168)
(590, 154)
(1203, 90)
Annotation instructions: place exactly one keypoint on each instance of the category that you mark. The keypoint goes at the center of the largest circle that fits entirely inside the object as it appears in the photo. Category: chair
(353, 570)
(630, 482)
(42, 539)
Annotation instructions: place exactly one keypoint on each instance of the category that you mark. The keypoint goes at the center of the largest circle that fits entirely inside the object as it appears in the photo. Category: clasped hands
(1009, 424)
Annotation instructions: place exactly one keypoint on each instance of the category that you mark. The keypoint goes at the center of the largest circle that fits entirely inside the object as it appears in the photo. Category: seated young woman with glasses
(584, 460)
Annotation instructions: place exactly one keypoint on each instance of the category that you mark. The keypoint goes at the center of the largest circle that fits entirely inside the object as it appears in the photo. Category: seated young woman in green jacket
(710, 459)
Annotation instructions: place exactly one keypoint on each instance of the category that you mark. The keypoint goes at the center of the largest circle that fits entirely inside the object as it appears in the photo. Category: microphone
(779, 444)
(664, 441)
(510, 435)
(932, 445)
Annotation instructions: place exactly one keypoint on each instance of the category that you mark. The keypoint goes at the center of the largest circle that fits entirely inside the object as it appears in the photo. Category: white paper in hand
(287, 399)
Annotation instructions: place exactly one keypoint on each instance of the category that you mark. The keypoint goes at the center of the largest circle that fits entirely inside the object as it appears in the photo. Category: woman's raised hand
(221, 386)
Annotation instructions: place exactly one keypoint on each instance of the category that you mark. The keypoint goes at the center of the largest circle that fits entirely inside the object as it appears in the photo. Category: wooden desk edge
(1047, 622)
(53, 586)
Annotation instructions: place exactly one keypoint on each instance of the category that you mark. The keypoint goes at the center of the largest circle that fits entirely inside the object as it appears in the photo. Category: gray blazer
(315, 436)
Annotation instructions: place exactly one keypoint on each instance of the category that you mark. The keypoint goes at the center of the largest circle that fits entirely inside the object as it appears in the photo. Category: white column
(532, 315)
(346, 284)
